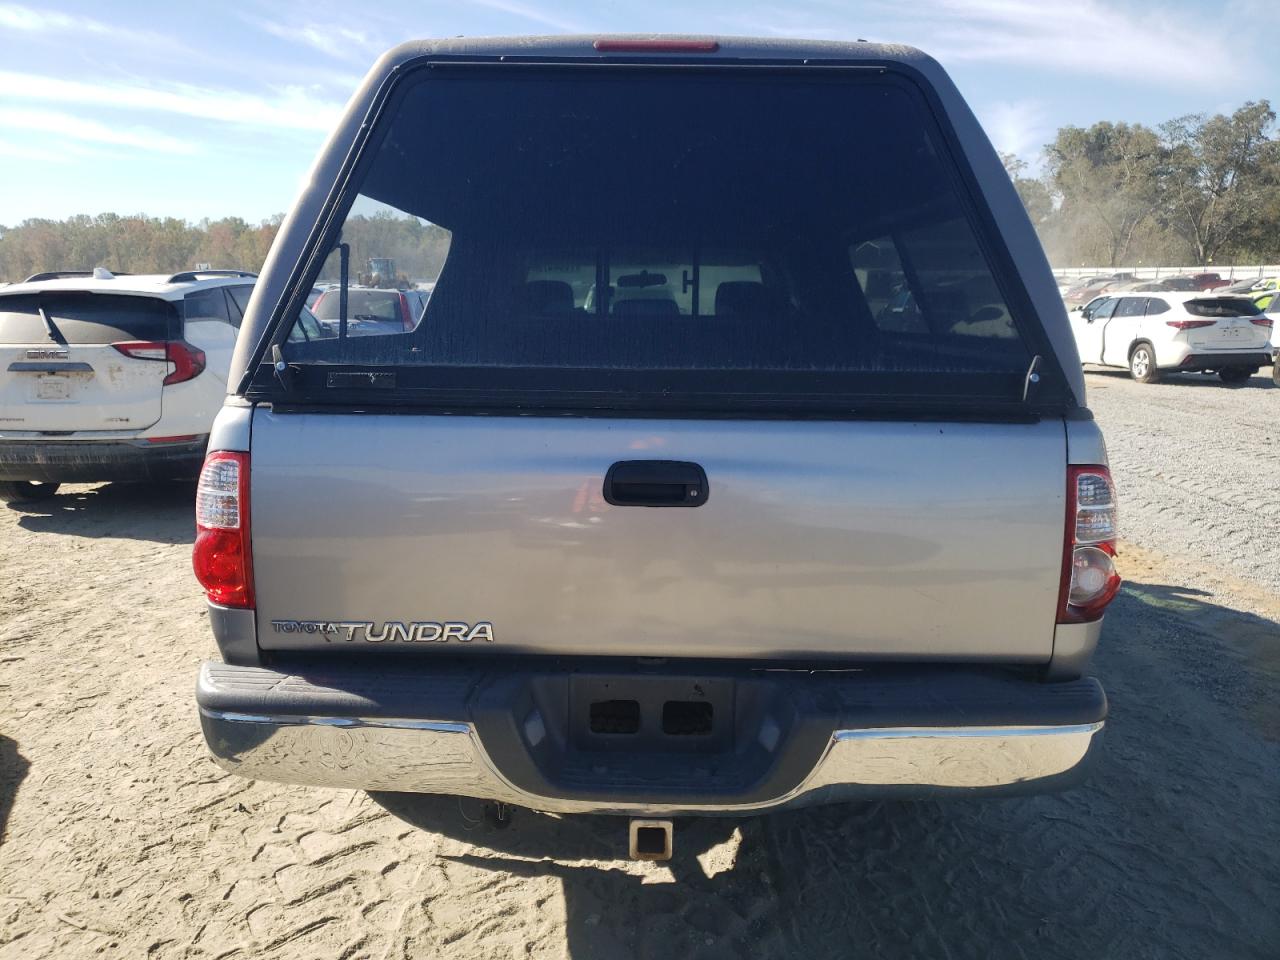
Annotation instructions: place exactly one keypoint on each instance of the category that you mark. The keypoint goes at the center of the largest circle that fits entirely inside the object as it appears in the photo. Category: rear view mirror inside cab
(643, 279)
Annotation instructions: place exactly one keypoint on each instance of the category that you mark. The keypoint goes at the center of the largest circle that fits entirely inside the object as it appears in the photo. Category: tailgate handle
(655, 483)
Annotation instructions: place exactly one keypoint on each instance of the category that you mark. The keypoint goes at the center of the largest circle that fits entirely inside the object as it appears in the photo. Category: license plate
(53, 388)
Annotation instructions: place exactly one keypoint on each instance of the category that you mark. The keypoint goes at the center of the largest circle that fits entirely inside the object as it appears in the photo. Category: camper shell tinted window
(808, 237)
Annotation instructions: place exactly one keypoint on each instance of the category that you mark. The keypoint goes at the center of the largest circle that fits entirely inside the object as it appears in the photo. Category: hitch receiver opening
(650, 840)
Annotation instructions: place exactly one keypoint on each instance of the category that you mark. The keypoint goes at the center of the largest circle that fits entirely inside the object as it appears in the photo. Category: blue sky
(196, 109)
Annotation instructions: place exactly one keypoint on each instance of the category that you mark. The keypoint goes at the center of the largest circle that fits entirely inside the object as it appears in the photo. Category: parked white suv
(1188, 332)
(112, 377)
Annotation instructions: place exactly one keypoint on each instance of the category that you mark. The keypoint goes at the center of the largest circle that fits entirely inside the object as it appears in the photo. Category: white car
(1273, 313)
(112, 377)
(1172, 331)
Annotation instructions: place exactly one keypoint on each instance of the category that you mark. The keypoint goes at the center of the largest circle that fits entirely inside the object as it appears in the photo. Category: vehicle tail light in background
(1089, 578)
(188, 361)
(221, 556)
(406, 315)
(1261, 321)
(1189, 324)
(144, 349)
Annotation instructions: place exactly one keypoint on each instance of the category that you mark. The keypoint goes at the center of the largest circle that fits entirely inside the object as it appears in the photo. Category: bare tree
(1108, 174)
(1221, 174)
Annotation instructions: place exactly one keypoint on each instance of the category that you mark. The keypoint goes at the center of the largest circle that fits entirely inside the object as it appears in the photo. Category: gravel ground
(120, 838)
(1197, 466)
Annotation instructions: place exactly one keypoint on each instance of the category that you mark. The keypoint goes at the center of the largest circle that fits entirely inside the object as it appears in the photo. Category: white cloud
(1137, 43)
(546, 17)
(43, 151)
(65, 125)
(796, 22)
(291, 108)
(1093, 37)
(343, 43)
(14, 16)
(1017, 126)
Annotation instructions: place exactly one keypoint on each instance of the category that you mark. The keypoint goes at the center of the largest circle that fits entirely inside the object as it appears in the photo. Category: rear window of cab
(705, 234)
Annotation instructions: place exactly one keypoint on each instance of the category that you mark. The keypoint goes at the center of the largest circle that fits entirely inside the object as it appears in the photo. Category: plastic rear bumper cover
(788, 738)
(100, 461)
(1215, 361)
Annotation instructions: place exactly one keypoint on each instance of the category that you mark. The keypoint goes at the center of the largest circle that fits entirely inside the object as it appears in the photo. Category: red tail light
(180, 438)
(406, 315)
(657, 46)
(1089, 578)
(188, 361)
(221, 557)
(1261, 321)
(1189, 324)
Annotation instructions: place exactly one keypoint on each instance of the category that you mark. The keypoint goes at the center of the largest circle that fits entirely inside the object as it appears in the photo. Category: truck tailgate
(818, 539)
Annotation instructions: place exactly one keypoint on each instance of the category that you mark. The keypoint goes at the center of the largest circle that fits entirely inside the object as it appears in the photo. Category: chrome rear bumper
(422, 756)
(449, 756)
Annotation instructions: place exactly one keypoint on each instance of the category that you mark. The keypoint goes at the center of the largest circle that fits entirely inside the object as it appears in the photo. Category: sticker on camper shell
(392, 631)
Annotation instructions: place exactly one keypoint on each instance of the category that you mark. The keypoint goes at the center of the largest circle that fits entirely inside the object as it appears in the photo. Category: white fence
(1155, 273)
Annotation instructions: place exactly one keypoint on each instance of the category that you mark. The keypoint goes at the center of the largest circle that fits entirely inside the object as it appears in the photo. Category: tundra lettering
(392, 631)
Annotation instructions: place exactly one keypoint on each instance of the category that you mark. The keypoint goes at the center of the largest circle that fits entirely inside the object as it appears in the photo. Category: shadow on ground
(1262, 380)
(1239, 666)
(543, 836)
(159, 512)
(1168, 850)
(13, 770)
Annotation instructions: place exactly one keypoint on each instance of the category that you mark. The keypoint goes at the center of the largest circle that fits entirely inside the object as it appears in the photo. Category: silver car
(668, 503)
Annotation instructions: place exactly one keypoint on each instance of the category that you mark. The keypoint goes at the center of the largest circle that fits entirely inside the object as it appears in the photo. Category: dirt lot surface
(1199, 468)
(121, 839)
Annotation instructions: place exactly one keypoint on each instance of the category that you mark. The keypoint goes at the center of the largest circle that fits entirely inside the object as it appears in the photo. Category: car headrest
(548, 296)
(742, 298)
(646, 308)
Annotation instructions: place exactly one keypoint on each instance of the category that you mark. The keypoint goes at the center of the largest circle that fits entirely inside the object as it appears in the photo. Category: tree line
(417, 247)
(142, 244)
(134, 244)
(1198, 189)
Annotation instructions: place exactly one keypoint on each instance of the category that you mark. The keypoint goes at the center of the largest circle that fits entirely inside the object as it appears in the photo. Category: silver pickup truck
(738, 460)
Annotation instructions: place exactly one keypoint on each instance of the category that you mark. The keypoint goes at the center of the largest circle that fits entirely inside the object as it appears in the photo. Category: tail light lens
(1189, 324)
(633, 45)
(406, 315)
(1261, 321)
(221, 556)
(1089, 577)
(188, 361)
